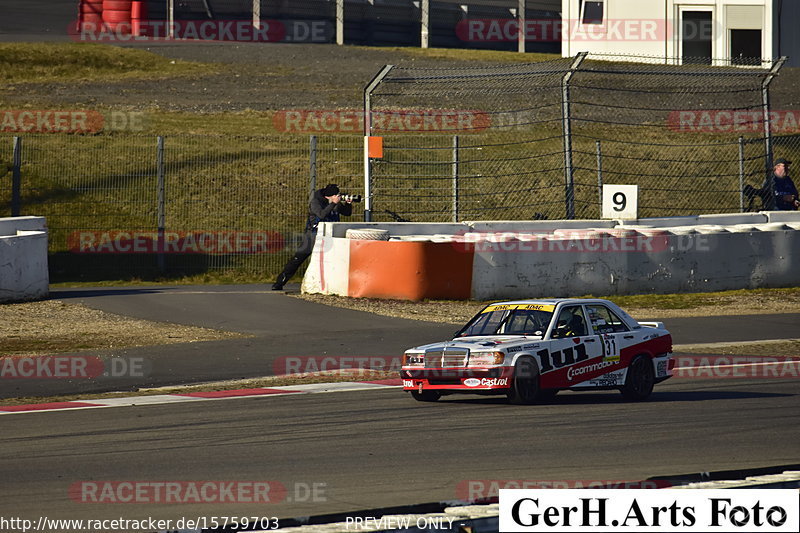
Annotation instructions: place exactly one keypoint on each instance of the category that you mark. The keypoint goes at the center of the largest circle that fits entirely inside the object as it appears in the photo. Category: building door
(697, 37)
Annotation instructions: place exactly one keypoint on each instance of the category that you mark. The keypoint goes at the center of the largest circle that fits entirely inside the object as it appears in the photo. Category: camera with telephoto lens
(350, 197)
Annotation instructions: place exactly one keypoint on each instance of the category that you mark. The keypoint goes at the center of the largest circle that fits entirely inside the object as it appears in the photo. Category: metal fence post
(569, 173)
(340, 22)
(424, 34)
(521, 26)
(741, 174)
(161, 198)
(312, 161)
(257, 14)
(455, 178)
(367, 132)
(598, 148)
(767, 126)
(16, 178)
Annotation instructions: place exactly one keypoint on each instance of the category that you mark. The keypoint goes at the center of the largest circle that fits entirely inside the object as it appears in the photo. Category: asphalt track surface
(280, 327)
(370, 449)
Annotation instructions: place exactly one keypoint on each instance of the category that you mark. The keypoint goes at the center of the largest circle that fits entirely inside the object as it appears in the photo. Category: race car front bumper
(457, 379)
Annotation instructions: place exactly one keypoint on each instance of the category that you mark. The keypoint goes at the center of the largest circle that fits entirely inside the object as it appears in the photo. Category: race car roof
(553, 301)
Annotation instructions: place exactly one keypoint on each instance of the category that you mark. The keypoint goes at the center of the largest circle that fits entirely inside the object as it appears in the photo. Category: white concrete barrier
(23, 259)
(513, 259)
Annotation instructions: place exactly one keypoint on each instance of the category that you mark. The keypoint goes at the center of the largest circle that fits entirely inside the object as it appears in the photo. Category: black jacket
(321, 210)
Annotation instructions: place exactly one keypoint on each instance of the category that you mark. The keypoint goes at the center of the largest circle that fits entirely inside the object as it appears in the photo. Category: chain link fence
(128, 205)
(539, 140)
(522, 141)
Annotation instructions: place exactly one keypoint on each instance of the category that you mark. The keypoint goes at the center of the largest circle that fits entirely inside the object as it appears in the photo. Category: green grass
(702, 299)
(234, 171)
(79, 62)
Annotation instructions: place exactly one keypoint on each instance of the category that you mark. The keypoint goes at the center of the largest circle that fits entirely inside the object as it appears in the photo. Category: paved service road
(284, 326)
(379, 448)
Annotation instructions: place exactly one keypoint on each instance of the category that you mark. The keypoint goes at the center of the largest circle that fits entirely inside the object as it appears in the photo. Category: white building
(689, 30)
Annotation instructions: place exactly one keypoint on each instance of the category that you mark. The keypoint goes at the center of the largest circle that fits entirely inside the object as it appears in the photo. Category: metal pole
(162, 215)
(312, 157)
(16, 178)
(424, 23)
(367, 132)
(340, 22)
(767, 126)
(521, 22)
(257, 14)
(171, 18)
(569, 192)
(741, 174)
(598, 148)
(455, 178)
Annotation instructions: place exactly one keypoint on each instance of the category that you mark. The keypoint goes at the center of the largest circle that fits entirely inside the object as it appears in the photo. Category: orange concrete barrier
(409, 270)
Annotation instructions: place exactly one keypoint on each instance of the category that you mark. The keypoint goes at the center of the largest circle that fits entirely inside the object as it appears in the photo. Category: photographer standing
(326, 205)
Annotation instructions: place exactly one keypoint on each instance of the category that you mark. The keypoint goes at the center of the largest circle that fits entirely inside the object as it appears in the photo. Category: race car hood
(482, 344)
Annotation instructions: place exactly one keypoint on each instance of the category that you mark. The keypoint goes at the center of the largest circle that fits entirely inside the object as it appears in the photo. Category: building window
(746, 47)
(592, 11)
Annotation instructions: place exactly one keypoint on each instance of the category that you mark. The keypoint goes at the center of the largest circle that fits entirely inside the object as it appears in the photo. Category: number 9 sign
(620, 202)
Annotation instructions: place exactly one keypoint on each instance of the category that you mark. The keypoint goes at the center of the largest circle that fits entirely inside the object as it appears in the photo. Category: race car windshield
(504, 321)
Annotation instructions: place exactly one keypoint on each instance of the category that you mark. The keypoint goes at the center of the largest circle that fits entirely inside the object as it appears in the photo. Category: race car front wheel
(525, 384)
(640, 380)
(426, 396)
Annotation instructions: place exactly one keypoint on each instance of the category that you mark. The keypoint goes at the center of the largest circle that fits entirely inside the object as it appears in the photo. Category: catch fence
(539, 140)
(139, 206)
(521, 141)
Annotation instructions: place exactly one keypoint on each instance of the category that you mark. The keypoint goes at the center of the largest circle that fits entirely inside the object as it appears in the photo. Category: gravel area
(458, 312)
(52, 326)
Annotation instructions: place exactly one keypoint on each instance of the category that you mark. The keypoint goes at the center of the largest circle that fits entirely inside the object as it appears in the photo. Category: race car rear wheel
(640, 380)
(426, 396)
(525, 383)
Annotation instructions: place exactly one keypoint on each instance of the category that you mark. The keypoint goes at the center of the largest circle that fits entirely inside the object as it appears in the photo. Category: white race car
(531, 349)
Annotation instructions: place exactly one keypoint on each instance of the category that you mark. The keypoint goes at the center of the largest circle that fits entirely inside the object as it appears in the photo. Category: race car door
(614, 335)
(573, 349)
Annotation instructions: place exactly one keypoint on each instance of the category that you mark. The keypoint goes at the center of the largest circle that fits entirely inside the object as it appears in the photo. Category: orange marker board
(375, 147)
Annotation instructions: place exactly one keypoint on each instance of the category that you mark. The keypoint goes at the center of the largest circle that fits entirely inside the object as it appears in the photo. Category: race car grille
(446, 359)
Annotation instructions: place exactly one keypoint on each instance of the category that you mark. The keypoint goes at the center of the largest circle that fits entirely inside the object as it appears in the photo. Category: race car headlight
(486, 358)
(413, 359)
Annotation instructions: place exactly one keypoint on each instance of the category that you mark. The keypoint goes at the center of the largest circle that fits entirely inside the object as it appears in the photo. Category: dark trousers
(300, 255)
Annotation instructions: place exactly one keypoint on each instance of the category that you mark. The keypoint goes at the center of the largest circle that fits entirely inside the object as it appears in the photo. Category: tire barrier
(117, 15)
(138, 15)
(90, 14)
(366, 234)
